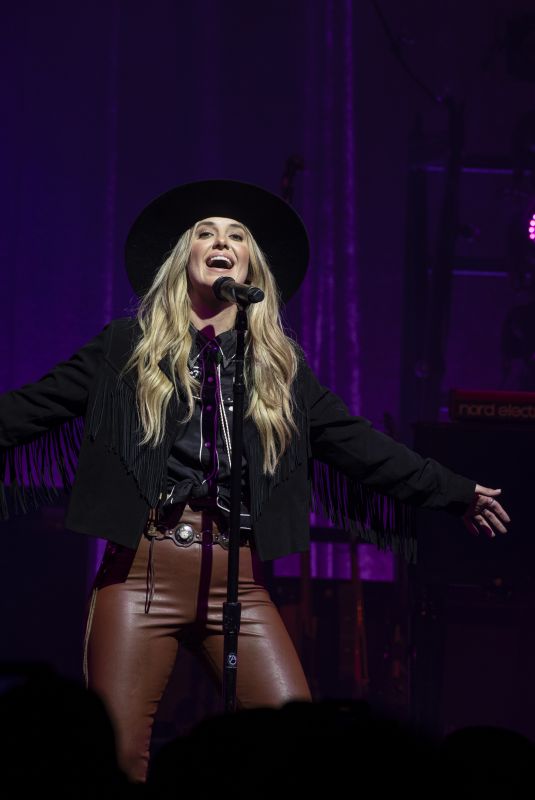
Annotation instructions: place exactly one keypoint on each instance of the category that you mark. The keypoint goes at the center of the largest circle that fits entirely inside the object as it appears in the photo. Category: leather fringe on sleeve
(39, 472)
(362, 512)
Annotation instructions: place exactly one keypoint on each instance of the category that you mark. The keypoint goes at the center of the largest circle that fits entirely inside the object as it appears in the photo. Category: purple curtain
(328, 313)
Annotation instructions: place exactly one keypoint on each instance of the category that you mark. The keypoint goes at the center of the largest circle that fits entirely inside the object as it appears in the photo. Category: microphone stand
(231, 608)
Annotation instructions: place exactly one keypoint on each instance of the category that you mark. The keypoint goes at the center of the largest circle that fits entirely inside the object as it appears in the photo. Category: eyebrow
(232, 224)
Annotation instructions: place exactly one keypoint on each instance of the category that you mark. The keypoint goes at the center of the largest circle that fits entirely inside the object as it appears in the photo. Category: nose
(220, 240)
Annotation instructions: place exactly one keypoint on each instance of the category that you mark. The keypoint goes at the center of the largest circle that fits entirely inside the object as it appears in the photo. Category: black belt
(184, 535)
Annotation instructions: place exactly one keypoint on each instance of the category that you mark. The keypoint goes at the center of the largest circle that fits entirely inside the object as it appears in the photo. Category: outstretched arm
(352, 445)
(41, 431)
(59, 396)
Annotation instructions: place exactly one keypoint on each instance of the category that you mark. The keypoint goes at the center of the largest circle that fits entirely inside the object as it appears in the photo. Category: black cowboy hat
(276, 227)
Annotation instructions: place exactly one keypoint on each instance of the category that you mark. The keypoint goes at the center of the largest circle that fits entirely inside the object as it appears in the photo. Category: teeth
(223, 261)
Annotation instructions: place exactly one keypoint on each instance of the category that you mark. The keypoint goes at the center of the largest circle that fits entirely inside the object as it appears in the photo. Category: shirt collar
(225, 341)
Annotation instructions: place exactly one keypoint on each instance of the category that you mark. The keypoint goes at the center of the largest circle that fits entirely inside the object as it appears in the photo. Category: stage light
(521, 243)
(521, 231)
(518, 327)
(527, 223)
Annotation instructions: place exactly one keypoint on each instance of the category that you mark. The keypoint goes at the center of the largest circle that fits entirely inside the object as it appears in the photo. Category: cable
(396, 49)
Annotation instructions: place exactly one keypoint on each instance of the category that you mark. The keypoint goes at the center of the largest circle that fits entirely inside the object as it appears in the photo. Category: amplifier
(472, 598)
(492, 406)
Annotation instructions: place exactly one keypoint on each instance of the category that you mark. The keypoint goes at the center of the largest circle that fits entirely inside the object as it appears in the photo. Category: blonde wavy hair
(271, 357)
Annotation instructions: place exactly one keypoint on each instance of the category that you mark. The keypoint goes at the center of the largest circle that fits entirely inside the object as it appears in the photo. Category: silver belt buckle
(184, 535)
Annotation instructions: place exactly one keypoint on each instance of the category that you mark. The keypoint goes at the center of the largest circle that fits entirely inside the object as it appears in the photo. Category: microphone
(226, 288)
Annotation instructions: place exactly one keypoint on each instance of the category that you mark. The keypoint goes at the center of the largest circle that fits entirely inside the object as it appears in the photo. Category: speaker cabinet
(472, 598)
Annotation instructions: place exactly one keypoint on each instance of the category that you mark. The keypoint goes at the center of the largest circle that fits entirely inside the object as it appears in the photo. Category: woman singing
(145, 411)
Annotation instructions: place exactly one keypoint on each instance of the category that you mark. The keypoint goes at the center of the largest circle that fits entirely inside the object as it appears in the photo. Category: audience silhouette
(57, 738)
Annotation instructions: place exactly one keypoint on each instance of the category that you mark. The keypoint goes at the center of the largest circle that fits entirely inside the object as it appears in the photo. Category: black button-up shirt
(199, 462)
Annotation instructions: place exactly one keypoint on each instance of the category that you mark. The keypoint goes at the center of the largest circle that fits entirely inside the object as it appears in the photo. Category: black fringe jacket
(77, 429)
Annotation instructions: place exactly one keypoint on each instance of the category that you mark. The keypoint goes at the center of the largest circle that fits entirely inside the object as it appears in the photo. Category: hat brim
(274, 224)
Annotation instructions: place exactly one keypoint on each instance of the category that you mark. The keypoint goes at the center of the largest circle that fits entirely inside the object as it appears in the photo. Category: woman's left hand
(485, 513)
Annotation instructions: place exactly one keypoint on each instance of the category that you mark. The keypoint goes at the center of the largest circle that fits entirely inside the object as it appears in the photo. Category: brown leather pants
(131, 645)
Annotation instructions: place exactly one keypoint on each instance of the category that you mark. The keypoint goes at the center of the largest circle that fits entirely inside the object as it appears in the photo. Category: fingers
(493, 520)
(477, 525)
(499, 511)
(489, 520)
(486, 522)
(483, 526)
(487, 491)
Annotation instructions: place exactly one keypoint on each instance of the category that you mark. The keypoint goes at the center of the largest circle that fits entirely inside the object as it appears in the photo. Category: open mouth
(219, 262)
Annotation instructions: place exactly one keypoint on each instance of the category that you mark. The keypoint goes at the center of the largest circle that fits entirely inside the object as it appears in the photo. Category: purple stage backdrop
(114, 107)
(109, 104)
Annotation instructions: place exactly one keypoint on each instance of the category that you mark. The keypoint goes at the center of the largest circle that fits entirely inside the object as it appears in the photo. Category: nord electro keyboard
(495, 406)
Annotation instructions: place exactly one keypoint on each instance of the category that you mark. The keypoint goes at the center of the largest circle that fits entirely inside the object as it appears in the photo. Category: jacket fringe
(362, 512)
(39, 472)
(115, 418)
(260, 485)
